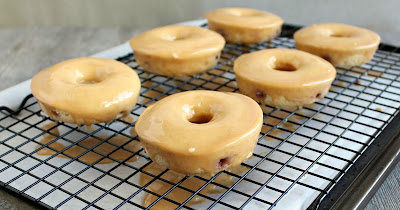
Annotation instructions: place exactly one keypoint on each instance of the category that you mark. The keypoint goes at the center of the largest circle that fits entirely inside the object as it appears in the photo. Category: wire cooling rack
(300, 161)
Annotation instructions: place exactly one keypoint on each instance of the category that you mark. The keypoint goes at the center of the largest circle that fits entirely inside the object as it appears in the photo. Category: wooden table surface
(24, 51)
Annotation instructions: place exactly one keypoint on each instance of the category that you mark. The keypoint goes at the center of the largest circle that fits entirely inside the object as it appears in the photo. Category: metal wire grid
(300, 148)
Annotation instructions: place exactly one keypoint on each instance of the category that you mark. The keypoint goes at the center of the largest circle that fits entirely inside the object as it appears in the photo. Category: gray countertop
(25, 51)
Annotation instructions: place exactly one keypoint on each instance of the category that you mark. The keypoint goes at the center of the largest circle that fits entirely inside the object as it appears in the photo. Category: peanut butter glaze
(244, 25)
(201, 131)
(90, 157)
(244, 17)
(178, 194)
(177, 41)
(283, 77)
(337, 36)
(342, 45)
(86, 90)
(177, 50)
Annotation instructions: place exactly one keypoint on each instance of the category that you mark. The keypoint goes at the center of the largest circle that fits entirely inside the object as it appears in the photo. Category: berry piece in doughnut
(283, 77)
(85, 91)
(243, 25)
(200, 131)
(177, 50)
(342, 45)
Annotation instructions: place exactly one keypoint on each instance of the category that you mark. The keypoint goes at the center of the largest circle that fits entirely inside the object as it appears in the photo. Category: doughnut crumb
(54, 113)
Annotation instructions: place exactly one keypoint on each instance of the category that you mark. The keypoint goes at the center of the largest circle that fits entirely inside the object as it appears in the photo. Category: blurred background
(380, 16)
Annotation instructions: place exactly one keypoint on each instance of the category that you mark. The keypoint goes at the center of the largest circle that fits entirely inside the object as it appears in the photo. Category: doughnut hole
(340, 34)
(242, 13)
(201, 118)
(90, 76)
(198, 114)
(88, 81)
(283, 66)
(180, 35)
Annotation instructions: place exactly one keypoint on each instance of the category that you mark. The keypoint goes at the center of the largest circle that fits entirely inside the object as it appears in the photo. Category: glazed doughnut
(85, 91)
(200, 131)
(177, 50)
(342, 45)
(243, 25)
(283, 77)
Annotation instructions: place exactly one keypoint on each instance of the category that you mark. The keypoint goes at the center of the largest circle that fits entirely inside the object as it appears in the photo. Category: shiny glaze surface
(337, 36)
(260, 66)
(171, 129)
(244, 18)
(178, 42)
(93, 89)
(283, 77)
(193, 131)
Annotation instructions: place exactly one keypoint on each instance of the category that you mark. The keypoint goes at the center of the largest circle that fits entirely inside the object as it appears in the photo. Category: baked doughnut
(283, 77)
(177, 50)
(342, 45)
(243, 25)
(85, 91)
(200, 131)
